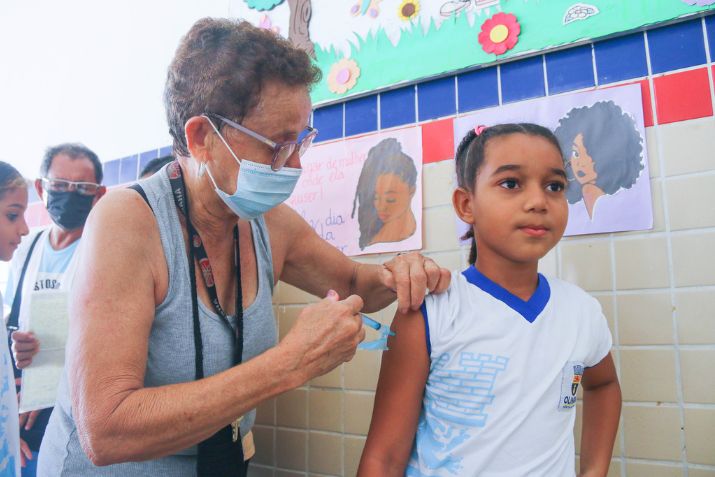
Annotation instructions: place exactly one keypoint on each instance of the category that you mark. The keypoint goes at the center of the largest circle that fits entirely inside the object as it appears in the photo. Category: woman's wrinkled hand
(412, 276)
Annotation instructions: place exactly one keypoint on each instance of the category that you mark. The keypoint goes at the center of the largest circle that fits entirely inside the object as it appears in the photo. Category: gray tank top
(171, 348)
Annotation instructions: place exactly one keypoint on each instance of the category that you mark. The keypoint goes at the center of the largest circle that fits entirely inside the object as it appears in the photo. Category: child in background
(483, 381)
(13, 202)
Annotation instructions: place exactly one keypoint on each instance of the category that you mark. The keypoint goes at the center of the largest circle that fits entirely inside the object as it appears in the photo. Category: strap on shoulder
(13, 319)
(140, 190)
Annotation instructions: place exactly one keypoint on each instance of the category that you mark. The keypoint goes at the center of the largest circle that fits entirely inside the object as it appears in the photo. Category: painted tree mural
(300, 13)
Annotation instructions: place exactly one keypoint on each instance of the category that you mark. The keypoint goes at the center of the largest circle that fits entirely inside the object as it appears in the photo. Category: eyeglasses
(61, 185)
(281, 151)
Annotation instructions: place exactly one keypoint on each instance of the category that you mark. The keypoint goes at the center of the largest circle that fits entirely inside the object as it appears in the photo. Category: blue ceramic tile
(329, 122)
(522, 79)
(436, 98)
(710, 27)
(571, 69)
(147, 156)
(143, 161)
(676, 46)
(111, 172)
(621, 58)
(165, 151)
(128, 169)
(361, 115)
(478, 89)
(397, 107)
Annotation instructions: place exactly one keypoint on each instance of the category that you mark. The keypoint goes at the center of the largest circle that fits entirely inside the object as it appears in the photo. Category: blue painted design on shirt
(530, 309)
(456, 401)
(461, 395)
(7, 457)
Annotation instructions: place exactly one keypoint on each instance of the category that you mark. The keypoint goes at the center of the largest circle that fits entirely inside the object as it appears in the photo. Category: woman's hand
(412, 276)
(325, 335)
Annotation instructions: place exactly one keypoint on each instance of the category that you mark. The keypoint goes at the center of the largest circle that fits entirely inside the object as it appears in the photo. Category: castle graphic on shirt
(456, 400)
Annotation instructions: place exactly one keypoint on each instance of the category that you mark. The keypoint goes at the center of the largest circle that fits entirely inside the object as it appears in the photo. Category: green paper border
(453, 46)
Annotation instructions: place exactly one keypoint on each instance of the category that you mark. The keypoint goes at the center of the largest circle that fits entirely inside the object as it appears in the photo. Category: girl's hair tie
(479, 129)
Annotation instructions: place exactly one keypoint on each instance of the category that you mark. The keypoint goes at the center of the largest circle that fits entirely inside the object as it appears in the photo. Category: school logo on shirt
(577, 374)
(571, 378)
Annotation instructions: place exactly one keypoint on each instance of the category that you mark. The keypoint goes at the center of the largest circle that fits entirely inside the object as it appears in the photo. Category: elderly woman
(173, 341)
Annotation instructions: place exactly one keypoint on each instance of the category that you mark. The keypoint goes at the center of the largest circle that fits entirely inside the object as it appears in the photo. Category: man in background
(69, 185)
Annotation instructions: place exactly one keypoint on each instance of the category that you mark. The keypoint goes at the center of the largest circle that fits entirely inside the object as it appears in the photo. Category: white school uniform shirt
(9, 424)
(501, 392)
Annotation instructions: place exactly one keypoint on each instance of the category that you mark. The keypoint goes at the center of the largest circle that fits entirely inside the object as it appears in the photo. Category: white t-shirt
(501, 393)
(9, 425)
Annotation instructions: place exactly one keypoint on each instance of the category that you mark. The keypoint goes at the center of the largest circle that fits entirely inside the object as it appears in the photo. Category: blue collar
(530, 309)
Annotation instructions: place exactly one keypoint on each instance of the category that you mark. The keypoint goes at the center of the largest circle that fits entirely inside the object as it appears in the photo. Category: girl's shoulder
(461, 298)
(573, 302)
(563, 290)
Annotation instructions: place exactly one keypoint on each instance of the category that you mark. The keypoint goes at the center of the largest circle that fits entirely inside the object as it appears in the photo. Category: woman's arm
(398, 400)
(601, 411)
(314, 265)
(114, 296)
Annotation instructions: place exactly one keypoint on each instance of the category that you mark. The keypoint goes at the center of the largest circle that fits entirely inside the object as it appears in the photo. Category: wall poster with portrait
(602, 139)
(364, 195)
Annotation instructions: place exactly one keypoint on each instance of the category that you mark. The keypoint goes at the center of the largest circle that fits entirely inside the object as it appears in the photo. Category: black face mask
(69, 210)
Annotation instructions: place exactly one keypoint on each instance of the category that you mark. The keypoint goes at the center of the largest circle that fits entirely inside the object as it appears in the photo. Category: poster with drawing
(364, 195)
(602, 141)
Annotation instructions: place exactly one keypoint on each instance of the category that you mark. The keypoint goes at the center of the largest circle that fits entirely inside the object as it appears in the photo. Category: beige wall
(657, 289)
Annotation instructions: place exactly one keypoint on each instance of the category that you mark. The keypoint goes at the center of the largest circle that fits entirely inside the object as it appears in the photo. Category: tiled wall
(657, 288)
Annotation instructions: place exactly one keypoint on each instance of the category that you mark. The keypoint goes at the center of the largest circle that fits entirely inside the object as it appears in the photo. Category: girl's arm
(398, 400)
(601, 411)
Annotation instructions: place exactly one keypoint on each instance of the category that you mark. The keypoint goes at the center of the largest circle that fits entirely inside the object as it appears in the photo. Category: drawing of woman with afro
(603, 152)
(384, 195)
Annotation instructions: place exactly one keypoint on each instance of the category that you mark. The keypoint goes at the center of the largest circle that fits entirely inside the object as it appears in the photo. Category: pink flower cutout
(500, 33)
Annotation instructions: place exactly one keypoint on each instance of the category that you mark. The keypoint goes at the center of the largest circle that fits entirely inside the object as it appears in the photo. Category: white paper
(49, 322)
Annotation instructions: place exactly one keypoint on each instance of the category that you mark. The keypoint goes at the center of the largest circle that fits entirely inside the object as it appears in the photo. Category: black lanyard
(221, 454)
(197, 252)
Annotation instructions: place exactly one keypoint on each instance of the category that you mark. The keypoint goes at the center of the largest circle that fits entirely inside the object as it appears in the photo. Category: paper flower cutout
(408, 9)
(343, 76)
(499, 33)
(580, 11)
(700, 3)
(262, 5)
(370, 8)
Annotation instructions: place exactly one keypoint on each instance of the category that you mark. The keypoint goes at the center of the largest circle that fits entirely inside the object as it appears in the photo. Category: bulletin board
(367, 45)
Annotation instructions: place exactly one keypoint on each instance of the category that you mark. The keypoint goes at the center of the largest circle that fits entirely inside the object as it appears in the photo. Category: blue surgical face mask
(258, 187)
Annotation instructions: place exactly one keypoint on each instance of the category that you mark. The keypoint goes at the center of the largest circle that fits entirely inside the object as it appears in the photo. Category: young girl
(483, 381)
(13, 201)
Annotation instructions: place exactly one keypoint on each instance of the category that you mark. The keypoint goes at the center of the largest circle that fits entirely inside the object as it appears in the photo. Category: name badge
(236, 429)
(570, 379)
